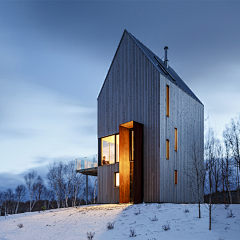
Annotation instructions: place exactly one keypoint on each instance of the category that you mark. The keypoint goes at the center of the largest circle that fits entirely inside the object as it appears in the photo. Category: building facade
(150, 124)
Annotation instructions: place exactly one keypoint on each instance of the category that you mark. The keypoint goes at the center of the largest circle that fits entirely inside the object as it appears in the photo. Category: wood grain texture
(124, 165)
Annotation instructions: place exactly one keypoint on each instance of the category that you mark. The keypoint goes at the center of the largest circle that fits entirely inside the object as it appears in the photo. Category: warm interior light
(117, 179)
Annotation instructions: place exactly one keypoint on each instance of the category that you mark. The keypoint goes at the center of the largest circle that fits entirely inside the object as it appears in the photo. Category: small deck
(87, 165)
(89, 171)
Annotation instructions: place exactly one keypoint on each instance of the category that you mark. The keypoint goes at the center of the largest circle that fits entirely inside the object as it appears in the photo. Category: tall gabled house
(148, 123)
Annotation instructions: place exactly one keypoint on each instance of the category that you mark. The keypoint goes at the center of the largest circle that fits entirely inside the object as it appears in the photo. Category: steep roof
(160, 66)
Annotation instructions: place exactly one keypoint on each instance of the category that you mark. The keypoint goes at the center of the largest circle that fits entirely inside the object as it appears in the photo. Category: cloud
(38, 125)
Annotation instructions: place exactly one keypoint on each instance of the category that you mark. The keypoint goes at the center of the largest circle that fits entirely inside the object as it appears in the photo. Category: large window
(110, 149)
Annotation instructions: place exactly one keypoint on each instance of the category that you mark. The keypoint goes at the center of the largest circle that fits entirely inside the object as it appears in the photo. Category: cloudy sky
(54, 56)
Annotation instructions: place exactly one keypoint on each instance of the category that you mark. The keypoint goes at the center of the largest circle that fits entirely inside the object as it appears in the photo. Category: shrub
(110, 225)
(20, 225)
(186, 210)
(226, 206)
(136, 213)
(44, 208)
(154, 218)
(230, 214)
(90, 235)
(166, 226)
(132, 232)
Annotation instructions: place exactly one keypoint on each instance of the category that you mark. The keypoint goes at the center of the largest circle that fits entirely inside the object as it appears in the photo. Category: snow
(74, 223)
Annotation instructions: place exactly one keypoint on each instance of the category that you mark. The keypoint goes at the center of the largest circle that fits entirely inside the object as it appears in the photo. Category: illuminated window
(167, 100)
(116, 179)
(117, 148)
(167, 149)
(175, 177)
(110, 149)
(176, 139)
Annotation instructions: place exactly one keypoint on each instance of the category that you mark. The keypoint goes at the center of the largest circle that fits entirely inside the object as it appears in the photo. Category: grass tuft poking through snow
(154, 219)
(110, 225)
(20, 225)
(166, 226)
(132, 232)
(90, 235)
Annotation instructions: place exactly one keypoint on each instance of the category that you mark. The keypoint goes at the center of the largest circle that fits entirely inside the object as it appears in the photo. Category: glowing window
(116, 179)
(176, 139)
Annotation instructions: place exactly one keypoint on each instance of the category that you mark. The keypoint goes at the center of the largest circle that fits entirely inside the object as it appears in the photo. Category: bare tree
(231, 134)
(95, 188)
(209, 166)
(196, 174)
(29, 181)
(68, 175)
(77, 185)
(20, 193)
(55, 178)
(39, 189)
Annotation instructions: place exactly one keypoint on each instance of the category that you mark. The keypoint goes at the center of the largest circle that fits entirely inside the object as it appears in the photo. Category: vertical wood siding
(135, 91)
(107, 193)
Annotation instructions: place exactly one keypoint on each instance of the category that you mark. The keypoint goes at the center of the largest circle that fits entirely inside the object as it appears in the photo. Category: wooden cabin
(148, 123)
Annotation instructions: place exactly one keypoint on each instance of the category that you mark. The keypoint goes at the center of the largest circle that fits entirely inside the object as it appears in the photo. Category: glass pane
(116, 179)
(108, 150)
(117, 148)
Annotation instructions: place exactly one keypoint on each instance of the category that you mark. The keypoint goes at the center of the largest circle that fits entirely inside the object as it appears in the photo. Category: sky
(54, 57)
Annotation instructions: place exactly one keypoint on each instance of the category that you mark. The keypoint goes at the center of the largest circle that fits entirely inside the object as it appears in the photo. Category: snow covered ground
(74, 223)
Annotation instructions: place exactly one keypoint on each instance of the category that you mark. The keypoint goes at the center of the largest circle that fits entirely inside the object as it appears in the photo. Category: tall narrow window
(167, 101)
(176, 139)
(167, 149)
(175, 177)
(117, 148)
(116, 179)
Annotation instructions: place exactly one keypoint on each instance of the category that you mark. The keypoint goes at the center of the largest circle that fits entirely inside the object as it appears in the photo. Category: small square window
(116, 179)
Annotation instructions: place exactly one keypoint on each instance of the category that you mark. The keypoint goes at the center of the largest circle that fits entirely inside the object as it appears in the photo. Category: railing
(87, 162)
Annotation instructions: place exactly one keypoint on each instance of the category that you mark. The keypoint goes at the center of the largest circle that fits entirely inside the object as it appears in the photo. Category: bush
(132, 232)
(186, 210)
(154, 218)
(136, 213)
(90, 235)
(166, 226)
(44, 208)
(110, 225)
(226, 206)
(230, 214)
(20, 225)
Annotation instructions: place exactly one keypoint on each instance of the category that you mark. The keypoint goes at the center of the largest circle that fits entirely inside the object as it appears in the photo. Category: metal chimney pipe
(165, 58)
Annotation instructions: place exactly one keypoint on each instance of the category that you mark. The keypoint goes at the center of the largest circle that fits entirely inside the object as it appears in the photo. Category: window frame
(115, 152)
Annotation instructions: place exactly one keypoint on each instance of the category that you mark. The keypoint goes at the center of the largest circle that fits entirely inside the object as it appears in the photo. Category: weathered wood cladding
(135, 91)
(107, 192)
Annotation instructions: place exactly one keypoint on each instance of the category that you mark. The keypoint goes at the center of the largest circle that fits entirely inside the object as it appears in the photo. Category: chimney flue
(165, 58)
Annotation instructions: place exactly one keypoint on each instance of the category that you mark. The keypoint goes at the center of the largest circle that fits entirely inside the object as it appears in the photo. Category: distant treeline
(64, 188)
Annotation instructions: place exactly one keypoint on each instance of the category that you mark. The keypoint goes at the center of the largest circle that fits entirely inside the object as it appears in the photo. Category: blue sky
(54, 56)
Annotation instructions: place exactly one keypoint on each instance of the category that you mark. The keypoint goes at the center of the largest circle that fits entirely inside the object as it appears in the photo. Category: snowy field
(74, 223)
